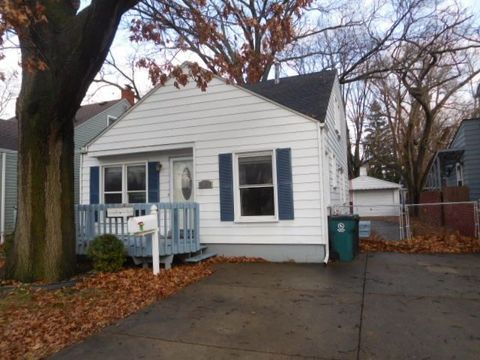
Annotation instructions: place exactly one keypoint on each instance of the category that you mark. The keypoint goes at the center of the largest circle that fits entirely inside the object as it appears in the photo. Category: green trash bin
(344, 236)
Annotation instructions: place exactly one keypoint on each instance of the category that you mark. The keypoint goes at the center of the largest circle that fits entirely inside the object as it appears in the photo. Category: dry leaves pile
(235, 260)
(35, 323)
(452, 243)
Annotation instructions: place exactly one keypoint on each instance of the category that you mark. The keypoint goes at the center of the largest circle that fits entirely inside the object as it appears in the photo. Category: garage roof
(370, 183)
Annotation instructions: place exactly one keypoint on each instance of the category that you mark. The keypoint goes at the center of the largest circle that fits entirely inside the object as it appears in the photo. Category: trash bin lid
(345, 217)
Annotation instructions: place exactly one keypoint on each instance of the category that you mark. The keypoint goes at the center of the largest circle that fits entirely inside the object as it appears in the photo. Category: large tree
(421, 97)
(62, 49)
(240, 40)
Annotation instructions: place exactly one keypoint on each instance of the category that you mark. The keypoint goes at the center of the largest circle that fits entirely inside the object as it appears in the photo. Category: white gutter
(323, 208)
(2, 198)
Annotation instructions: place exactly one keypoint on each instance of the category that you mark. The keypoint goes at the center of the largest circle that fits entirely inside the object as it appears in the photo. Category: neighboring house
(372, 197)
(459, 164)
(263, 162)
(90, 120)
(8, 176)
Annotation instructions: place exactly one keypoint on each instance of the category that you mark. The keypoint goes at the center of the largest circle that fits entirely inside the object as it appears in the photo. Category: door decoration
(187, 183)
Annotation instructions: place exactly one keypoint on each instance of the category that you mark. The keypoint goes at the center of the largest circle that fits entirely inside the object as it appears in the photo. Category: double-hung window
(255, 182)
(113, 184)
(136, 184)
(125, 184)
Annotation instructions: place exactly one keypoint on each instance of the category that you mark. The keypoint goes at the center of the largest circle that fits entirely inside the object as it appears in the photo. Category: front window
(136, 184)
(256, 185)
(113, 185)
(125, 184)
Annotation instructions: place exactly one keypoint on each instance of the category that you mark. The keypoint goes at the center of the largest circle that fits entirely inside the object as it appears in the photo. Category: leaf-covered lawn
(453, 243)
(36, 323)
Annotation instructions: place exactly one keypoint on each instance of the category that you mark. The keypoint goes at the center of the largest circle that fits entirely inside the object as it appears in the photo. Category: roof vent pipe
(277, 71)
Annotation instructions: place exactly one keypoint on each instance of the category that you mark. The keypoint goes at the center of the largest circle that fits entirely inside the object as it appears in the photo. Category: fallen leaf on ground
(35, 322)
(423, 244)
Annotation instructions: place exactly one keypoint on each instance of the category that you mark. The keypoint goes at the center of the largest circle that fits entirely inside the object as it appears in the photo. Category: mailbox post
(146, 225)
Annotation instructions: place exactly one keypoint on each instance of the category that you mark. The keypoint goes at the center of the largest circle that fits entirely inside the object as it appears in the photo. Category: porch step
(199, 257)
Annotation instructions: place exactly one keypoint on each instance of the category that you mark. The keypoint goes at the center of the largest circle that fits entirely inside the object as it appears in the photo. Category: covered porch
(446, 170)
(179, 227)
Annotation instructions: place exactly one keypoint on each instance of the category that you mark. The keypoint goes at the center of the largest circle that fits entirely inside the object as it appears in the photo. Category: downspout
(83, 151)
(323, 208)
(2, 199)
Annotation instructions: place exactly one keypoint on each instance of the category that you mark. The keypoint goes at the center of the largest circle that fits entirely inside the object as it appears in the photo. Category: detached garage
(374, 197)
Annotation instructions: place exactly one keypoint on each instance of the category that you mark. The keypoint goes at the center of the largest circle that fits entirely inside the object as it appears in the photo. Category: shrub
(107, 253)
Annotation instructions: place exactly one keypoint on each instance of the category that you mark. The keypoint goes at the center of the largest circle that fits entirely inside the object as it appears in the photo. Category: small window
(111, 119)
(459, 173)
(113, 185)
(136, 184)
(256, 187)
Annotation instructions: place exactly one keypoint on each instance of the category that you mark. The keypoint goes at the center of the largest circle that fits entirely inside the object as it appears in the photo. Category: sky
(122, 49)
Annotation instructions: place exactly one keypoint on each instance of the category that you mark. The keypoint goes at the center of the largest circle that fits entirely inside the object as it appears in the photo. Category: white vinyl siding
(336, 146)
(223, 119)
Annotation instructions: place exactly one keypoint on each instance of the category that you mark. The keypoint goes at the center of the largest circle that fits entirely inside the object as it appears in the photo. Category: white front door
(182, 180)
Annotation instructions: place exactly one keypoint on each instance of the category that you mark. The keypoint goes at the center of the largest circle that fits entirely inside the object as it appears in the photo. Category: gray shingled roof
(88, 111)
(308, 94)
(9, 131)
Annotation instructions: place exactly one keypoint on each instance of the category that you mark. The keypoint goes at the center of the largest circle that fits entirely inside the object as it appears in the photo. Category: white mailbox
(142, 224)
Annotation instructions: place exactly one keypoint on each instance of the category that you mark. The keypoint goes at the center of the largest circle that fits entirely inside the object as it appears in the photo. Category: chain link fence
(442, 219)
(400, 222)
(384, 222)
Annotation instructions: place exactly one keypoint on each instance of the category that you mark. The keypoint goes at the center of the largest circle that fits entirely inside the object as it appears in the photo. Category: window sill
(255, 220)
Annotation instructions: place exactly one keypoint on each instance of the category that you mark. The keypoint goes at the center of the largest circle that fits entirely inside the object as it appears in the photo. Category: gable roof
(86, 112)
(8, 134)
(9, 128)
(308, 94)
(370, 183)
(459, 127)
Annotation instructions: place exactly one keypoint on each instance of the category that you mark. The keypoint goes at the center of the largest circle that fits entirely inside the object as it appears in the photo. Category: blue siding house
(459, 165)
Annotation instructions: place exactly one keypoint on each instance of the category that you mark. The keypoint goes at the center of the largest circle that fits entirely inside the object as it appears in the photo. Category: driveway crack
(362, 306)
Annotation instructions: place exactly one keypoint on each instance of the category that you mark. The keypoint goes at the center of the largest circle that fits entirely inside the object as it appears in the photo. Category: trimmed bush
(107, 253)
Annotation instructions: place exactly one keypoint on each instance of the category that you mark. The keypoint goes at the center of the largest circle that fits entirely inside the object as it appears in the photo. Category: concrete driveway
(381, 306)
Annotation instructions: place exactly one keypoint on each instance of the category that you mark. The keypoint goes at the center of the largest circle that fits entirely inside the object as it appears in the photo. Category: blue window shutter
(94, 185)
(153, 182)
(226, 187)
(284, 184)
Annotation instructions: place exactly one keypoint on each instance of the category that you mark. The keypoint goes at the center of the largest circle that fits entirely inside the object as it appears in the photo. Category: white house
(372, 197)
(263, 162)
